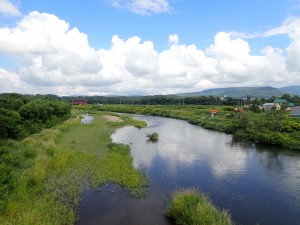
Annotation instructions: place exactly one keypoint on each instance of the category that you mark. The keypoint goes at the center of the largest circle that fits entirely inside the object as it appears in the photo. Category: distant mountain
(240, 92)
(293, 90)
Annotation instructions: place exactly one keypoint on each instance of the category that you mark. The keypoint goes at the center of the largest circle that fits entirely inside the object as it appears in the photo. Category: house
(295, 111)
(268, 106)
(289, 106)
(278, 102)
(79, 102)
(213, 112)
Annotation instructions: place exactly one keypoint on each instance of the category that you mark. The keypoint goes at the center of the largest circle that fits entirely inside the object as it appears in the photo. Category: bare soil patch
(112, 118)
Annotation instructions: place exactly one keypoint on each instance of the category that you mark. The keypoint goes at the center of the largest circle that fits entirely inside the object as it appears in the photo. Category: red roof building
(79, 102)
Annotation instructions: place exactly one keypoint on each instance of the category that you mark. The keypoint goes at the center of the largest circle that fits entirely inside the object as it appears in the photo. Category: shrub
(153, 136)
(189, 206)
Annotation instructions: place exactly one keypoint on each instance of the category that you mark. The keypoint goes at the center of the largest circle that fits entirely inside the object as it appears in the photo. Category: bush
(153, 137)
(189, 206)
(291, 126)
(8, 121)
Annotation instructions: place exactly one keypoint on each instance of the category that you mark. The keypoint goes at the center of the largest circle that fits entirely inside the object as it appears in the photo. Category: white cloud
(10, 82)
(143, 7)
(8, 8)
(55, 58)
(173, 39)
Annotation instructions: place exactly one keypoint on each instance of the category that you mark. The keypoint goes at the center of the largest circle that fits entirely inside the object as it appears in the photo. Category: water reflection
(86, 119)
(258, 184)
(183, 145)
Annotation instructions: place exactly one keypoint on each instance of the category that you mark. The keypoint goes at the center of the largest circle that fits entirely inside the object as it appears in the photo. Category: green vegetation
(21, 116)
(191, 207)
(271, 127)
(153, 137)
(206, 97)
(42, 176)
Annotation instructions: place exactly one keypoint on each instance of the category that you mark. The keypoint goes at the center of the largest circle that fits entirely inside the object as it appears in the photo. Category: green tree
(9, 124)
(287, 97)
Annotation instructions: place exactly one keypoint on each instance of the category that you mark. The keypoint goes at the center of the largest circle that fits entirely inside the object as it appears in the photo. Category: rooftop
(280, 100)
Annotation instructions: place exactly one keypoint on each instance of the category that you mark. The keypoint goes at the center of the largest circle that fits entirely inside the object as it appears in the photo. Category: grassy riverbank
(189, 206)
(55, 165)
(272, 127)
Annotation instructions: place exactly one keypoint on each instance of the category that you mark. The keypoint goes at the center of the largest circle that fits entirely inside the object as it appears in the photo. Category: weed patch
(189, 206)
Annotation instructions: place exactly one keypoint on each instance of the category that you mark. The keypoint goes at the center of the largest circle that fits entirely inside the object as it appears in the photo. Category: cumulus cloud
(51, 52)
(10, 82)
(143, 7)
(56, 58)
(9, 9)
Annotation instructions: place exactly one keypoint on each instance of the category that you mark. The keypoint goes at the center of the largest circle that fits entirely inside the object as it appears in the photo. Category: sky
(147, 47)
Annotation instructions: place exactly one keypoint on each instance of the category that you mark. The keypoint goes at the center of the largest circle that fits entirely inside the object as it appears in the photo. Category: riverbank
(56, 164)
(272, 127)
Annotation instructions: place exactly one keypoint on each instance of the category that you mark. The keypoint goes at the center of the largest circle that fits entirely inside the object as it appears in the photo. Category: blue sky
(147, 46)
(196, 22)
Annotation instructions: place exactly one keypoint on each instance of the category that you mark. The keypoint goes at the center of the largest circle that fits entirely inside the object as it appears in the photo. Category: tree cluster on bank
(21, 115)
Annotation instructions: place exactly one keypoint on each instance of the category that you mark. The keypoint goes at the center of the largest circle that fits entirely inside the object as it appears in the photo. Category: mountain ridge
(243, 92)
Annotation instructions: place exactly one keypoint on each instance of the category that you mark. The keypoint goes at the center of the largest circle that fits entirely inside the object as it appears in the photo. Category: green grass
(60, 163)
(191, 207)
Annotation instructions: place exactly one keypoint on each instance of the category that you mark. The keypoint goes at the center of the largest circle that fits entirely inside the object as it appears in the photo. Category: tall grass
(62, 162)
(191, 207)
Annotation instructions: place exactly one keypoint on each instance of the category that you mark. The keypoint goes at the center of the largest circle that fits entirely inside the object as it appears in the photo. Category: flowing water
(257, 184)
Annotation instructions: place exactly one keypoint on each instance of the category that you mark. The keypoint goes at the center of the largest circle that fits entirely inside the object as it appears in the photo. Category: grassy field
(191, 207)
(58, 163)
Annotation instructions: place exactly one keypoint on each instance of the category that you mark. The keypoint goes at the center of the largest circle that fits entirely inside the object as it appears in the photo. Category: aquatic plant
(190, 206)
(153, 137)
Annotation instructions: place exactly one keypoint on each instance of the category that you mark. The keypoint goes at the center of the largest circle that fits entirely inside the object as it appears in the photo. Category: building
(278, 102)
(213, 112)
(268, 106)
(79, 102)
(295, 111)
(289, 106)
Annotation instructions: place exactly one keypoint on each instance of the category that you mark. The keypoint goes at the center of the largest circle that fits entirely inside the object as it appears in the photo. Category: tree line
(180, 100)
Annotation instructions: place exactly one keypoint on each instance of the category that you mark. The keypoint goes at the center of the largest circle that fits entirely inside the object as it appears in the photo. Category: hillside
(239, 92)
(293, 90)
(243, 92)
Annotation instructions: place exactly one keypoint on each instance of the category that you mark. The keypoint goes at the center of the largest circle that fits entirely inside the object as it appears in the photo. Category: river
(257, 184)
